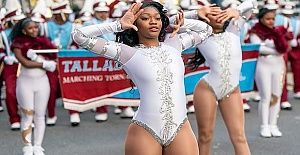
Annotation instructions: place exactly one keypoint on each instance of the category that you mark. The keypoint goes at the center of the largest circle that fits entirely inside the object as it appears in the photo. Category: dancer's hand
(178, 23)
(228, 14)
(130, 16)
(210, 9)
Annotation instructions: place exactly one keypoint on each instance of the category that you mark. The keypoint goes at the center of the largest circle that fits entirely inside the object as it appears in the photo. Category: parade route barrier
(88, 80)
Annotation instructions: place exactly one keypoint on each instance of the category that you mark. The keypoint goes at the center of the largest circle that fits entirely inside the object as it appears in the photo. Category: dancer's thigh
(140, 142)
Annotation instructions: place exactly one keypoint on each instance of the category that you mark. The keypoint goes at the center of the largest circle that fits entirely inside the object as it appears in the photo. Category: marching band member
(58, 30)
(9, 73)
(2, 14)
(33, 88)
(101, 16)
(281, 20)
(270, 69)
(292, 56)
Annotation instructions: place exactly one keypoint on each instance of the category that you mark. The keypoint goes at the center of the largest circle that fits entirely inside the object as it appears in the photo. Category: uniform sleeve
(192, 33)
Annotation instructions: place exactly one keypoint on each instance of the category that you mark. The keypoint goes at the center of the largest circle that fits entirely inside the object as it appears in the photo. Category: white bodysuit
(159, 76)
(158, 73)
(223, 53)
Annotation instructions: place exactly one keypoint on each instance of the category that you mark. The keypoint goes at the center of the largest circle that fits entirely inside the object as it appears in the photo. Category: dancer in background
(293, 54)
(222, 51)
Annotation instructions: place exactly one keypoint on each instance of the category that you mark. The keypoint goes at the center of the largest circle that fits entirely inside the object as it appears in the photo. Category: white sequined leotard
(223, 54)
(158, 73)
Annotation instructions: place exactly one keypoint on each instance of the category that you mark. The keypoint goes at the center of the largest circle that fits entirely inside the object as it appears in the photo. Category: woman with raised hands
(222, 52)
(154, 64)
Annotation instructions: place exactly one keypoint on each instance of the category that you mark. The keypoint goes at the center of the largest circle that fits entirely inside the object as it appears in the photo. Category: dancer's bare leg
(205, 110)
(140, 142)
(185, 142)
(233, 115)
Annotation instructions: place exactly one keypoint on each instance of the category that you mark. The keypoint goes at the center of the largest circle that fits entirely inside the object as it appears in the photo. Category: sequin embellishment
(224, 57)
(160, 57)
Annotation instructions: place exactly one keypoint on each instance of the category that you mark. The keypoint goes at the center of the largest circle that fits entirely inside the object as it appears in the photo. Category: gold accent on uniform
(25, 133)
(18, 70)
(274, 100)
(27, 112)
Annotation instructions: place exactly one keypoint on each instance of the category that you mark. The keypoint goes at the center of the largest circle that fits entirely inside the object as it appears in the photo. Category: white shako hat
(39, 11)
(14, 10)
(288, 8)
(86, 11)
(100, 5)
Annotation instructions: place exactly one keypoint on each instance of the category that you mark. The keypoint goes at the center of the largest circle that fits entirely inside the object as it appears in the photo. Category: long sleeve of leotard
(245, 9)
(192, 32)
(191, 22)
(87, 37)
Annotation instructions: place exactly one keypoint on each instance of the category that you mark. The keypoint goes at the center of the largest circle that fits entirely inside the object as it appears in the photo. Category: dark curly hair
(195, 61)
(17, 28)
(130, 36)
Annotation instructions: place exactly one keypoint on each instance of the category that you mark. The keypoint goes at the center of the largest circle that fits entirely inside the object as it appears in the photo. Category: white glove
(49, 65)
(294, 43)
(40, 59)
(9, 60)
(31, 55)
(270, 43)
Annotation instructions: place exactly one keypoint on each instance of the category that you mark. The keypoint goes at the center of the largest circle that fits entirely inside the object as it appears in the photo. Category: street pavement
(108, 138)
